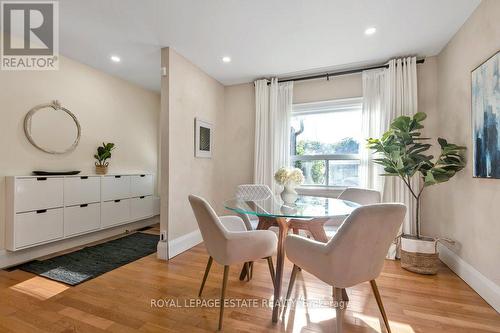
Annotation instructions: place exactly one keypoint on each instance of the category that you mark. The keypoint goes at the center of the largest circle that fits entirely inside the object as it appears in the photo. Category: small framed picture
(203, 141)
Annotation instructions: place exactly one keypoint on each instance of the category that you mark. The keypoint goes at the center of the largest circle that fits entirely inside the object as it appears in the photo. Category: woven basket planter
(101, 169)
(419, 255)
(422, 263)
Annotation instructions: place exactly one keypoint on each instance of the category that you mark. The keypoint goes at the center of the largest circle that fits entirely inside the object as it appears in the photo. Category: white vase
(289, 195)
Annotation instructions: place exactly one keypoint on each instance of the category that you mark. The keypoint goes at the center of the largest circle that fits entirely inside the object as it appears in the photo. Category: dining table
(273, 211)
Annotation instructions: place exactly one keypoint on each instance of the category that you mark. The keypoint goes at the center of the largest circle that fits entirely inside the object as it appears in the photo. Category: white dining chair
(252, 192)
(228, 247)
(361, 196)
(354, 255)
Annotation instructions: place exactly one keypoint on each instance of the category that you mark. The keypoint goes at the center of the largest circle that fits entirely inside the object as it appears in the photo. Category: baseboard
(10, 258)
(486, 288)
(180, 244)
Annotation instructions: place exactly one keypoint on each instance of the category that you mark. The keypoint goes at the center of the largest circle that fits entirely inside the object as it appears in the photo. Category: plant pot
(101, 169)
(419, 255)
(289, 195)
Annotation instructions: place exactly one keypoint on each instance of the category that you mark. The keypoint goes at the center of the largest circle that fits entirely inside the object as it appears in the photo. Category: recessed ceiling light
(226, 59)
(115, 58)
(370, 31)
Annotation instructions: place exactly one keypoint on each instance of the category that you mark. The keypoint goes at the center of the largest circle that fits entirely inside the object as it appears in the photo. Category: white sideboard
(41, 210)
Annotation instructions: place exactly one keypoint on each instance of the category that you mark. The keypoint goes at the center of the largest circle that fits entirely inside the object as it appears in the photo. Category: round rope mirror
(52, 128)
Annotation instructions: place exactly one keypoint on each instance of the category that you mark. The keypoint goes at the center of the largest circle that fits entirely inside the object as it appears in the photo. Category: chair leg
(223, 295)
(380, 304)
(271, 269)
(247, 269)
(339, 309)
(243, 273)
(209, 264)
(292, 282)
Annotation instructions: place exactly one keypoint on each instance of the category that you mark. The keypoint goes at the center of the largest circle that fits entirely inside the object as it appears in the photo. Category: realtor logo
(30, 35)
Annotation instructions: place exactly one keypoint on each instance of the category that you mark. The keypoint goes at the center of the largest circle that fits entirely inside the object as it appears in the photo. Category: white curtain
(273, 109)
(373, 125)
(262, 153)
(387, 94)
(402, 100)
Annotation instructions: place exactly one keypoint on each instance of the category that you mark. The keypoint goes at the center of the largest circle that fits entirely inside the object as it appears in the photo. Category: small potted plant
(289, 179)
(402, 153)
(103, 153)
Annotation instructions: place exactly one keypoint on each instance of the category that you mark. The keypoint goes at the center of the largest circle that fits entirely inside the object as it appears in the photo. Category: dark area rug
(85, 264)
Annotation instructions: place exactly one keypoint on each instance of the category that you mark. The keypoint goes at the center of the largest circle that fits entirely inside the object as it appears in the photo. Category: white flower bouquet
(286, 176)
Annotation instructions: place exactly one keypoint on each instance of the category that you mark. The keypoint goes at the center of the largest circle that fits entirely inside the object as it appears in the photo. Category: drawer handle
(84, 177)
(118, 176)
(142, 197)
(41, 211)
(117, 200)
(41, 178)
(84, 205)
(143, 175)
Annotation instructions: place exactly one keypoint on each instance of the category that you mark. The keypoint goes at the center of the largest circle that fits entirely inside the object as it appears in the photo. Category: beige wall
(109, 109)
(191, 93)
(337, 87)
(466, 209)
(239, 130)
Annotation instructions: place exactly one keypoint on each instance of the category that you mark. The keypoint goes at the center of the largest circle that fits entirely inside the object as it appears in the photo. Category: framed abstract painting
(203, 139)
(486, 118)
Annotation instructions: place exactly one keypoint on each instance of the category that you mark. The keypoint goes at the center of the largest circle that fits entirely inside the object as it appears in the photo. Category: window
(325, 139)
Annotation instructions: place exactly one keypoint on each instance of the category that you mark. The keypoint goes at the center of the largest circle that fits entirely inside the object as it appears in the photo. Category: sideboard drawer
(38, 227)
(38, 193)
(141, 185)
(115, 187)
(141, 207)
(82, 218)
(115, 212)
(81, 190)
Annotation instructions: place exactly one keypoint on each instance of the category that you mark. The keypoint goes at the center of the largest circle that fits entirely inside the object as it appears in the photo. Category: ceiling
(263, 37)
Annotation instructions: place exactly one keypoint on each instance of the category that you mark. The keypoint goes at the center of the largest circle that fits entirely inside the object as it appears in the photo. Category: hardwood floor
(121, 301)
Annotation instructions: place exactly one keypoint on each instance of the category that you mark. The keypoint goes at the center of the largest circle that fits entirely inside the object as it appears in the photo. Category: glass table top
(305, 207)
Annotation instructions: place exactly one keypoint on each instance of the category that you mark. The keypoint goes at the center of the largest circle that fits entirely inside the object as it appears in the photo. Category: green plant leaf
(420, 116)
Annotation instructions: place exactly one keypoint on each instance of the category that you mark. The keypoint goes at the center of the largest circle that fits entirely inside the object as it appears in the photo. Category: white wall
(465, 209)
(191, 93)
(109, 109)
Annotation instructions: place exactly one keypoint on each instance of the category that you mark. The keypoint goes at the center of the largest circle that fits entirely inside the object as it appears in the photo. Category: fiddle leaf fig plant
(104, 153)
(401, 151)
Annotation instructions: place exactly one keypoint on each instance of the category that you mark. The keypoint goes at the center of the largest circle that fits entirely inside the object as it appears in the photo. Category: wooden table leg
(280, 263)
(318, 231)
(314, 226)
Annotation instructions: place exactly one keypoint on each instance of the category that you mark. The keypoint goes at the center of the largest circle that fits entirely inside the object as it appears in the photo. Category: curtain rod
(340, 73)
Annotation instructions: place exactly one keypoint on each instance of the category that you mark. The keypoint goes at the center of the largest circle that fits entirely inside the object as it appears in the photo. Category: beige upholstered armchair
(228, 242)
(360, 196)
(355, 254)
